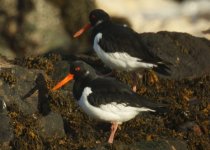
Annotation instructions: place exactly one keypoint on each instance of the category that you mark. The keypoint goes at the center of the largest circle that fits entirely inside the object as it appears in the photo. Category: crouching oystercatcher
(105, 98)
(120, 47)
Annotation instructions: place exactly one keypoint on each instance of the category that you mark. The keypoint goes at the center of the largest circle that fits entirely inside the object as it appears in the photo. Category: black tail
(162, 69)
(161, 110)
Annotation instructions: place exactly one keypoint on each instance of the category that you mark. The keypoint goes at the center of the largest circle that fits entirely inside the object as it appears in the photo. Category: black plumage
(106, 90)
(105, 98)
(121, 39)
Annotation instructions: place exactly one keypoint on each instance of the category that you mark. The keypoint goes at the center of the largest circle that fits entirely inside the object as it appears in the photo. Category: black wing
(124, 39)
(108, 90)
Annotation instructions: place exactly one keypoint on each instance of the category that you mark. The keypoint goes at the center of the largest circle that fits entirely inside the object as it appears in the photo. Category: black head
(98, 16)
(80, 69)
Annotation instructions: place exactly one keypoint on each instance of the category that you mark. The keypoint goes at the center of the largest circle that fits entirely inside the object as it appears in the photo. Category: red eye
(77, 69)
(93, 16)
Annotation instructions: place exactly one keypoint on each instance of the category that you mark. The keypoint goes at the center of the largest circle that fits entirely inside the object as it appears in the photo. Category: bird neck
(80, 84)
(100, 28)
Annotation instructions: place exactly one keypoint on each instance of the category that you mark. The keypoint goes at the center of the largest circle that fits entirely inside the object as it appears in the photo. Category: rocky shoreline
(36, 118)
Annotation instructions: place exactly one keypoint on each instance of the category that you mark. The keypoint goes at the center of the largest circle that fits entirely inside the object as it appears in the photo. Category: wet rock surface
(41, 119)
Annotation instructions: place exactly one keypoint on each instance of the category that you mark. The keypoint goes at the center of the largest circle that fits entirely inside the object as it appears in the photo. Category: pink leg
(136, 77)
(134, 87)
(113, 130)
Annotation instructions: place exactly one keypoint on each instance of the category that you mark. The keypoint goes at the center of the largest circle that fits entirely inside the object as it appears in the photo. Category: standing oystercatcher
(120, 47)
(105, 98)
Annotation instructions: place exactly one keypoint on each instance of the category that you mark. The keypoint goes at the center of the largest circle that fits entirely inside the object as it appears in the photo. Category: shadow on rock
(43, 97)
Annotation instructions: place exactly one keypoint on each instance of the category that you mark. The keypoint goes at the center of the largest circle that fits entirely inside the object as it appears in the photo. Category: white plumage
(111, 112)
(119, 60)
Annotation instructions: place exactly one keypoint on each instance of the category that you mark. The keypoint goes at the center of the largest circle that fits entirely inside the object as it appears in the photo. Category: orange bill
(82, 30)
(68, 78)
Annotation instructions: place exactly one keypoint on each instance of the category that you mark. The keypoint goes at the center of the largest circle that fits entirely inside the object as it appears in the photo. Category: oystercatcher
(105, 98)
(120, 47)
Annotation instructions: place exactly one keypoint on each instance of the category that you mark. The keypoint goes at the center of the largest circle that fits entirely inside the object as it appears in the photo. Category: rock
(44, 27)
(191, 126)
(75, 15)
(52, 120)
(4, 63)
(31, 27)
(2, 106)
(171, 144)
(12, 33)
(188, 55)
(51, 126)
(24, 81)
(6, 133)
(10, 7)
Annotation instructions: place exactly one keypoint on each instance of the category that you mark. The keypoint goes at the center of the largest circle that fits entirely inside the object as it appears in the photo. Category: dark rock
(13, 94)
(51, 126)
(191, 126)
(188, 55)
(33, 111)
(147, 145)
(43, 97)
(6, 133)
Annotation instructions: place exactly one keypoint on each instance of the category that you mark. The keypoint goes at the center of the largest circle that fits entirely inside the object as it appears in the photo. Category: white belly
(112, 112)
(119, 60)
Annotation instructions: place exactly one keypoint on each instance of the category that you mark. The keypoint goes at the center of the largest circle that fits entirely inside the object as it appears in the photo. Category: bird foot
(113, 130)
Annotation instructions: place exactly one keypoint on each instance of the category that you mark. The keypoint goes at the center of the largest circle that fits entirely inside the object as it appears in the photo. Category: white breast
(111, 112)
(119, 60)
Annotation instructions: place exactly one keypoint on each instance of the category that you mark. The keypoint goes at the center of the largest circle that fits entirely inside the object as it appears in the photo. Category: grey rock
(6, 133)
(51, 126)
